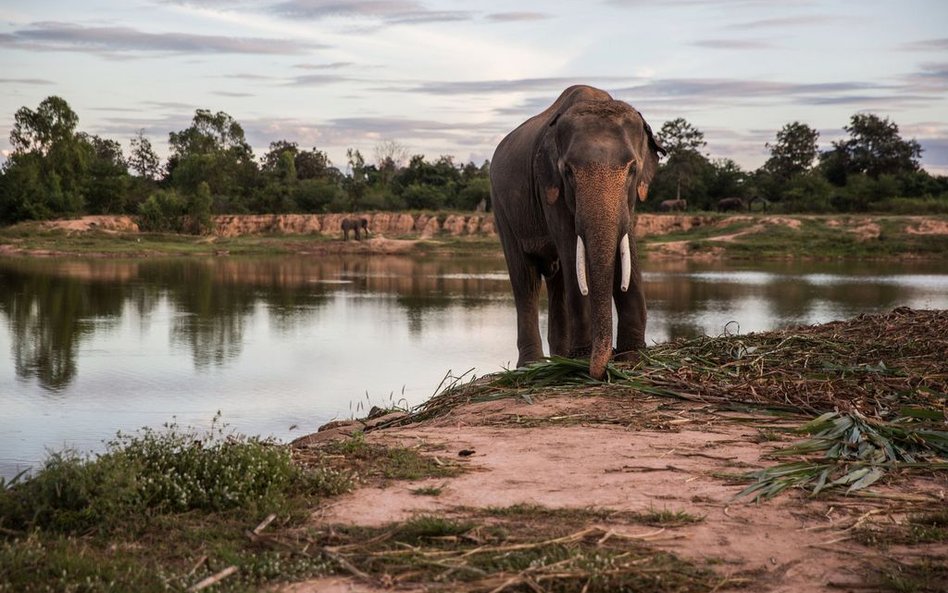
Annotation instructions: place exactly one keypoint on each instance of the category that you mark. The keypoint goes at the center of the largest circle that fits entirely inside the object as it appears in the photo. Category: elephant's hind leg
(558, 321)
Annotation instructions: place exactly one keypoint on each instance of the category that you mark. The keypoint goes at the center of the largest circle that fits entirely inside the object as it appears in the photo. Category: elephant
(358, 226)
(563, 190)
(673, 205)
(726, 204)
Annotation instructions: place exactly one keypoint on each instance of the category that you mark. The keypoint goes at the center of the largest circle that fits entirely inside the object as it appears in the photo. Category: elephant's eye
(568, 172)
(632, 168)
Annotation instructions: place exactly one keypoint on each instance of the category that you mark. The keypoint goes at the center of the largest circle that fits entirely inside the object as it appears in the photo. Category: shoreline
(659, 236)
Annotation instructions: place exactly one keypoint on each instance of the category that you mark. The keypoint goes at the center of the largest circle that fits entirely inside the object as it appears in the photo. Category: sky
(450, 77)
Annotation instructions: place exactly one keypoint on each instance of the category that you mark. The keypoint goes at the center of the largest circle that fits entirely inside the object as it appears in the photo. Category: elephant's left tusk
(625, 259)
(581, 266)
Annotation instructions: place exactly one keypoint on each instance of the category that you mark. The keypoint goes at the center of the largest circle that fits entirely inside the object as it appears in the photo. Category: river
(282, 345)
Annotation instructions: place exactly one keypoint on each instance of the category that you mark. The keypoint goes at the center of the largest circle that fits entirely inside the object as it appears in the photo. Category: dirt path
(633, 456)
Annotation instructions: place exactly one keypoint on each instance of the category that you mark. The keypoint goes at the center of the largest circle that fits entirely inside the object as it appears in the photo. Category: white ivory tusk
(625, 259)
(581, 266)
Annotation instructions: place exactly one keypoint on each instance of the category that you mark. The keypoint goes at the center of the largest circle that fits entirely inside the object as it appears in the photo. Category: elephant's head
(599, 158)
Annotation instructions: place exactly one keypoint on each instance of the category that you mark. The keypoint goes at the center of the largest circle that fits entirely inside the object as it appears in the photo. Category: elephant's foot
(632, 356)
(529, 357)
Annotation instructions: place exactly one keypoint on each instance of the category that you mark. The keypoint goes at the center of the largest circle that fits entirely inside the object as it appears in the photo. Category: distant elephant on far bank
(726, 204)
(563, 189)
(357, 226)
(673, 205)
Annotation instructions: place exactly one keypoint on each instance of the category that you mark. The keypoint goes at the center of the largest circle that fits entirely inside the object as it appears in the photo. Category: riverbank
(676, 236)
(795, 460)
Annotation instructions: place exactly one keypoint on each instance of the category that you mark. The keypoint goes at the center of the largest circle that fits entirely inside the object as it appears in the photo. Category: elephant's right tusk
(625, 261)
(581, 266)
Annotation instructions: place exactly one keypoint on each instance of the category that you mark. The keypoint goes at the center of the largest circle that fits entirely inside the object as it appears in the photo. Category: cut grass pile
(875, 385)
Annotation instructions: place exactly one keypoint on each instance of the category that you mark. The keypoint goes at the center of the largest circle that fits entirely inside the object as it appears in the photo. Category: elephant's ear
(546, 171)
(647, 166)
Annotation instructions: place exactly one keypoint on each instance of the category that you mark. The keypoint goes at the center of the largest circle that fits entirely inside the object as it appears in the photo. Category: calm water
(282, 345)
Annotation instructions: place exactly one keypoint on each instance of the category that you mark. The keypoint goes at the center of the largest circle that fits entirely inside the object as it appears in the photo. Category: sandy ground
(618, 454)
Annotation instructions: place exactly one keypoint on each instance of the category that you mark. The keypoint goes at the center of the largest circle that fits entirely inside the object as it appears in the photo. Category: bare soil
(639, 454)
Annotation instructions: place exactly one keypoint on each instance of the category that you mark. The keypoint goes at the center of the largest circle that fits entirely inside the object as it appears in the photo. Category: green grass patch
(391, 463)
(164, 509)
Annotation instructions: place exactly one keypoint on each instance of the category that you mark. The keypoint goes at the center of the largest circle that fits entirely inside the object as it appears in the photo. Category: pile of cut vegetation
(870, 392)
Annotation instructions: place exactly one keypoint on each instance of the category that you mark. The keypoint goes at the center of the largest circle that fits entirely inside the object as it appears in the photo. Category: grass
(428, 491)
(372, 461)
(815, 238)
(920, 528)
(519, 548)
(164, 509)
(924, 576)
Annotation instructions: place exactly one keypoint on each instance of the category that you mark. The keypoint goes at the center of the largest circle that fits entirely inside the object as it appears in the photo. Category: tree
(48, 169)
(109, 182)
(53, 124)
(683, 143)
(213, 150)
(390, 156)
(272, 158)
(198, 207)
(143, 159)
(874, 148)
(793, 152)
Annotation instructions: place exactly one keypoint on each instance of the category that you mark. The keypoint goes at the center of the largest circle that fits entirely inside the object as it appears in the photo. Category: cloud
(38, 81)
(476, 87)
(927, 45)
(56, 36)
(391, 12)
(318, 79)
(787, 21)
(932, 77)
(232, 94)
(329, 66)
(510, 17)
(732, 44)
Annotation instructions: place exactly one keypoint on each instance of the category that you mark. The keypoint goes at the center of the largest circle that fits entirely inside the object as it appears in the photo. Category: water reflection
(89, 347)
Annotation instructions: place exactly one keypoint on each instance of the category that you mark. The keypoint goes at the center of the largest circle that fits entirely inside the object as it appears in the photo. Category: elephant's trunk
(601, 262)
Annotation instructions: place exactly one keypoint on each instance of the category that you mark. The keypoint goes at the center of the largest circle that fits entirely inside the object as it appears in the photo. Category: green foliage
(155, 472)
(162, 212)
(424, 197)
(55, 170)
(199, 209)
(793, 152)
(854, 452)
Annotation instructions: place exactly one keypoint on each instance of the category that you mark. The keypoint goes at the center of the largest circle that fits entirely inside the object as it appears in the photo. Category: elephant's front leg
(632, 313)
(558, 325)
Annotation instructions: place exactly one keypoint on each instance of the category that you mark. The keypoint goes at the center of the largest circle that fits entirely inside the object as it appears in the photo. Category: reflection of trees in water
(49, 315)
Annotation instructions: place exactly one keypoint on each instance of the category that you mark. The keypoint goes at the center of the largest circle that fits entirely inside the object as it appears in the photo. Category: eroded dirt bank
(669, 441)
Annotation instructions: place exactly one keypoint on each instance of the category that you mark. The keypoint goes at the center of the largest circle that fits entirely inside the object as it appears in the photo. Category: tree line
(57, 170)
(873, 169)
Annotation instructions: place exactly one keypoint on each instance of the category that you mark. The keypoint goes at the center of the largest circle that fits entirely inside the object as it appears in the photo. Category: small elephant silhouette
(726, 204)
(357, 226)
(673, 205)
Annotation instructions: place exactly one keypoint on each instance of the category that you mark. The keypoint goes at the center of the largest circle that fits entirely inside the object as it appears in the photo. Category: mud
(633, 454)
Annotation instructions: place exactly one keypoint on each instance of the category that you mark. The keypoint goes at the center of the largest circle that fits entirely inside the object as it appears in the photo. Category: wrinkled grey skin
(673, 205)
(726, 204)
(358, 226)
(574, 170)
